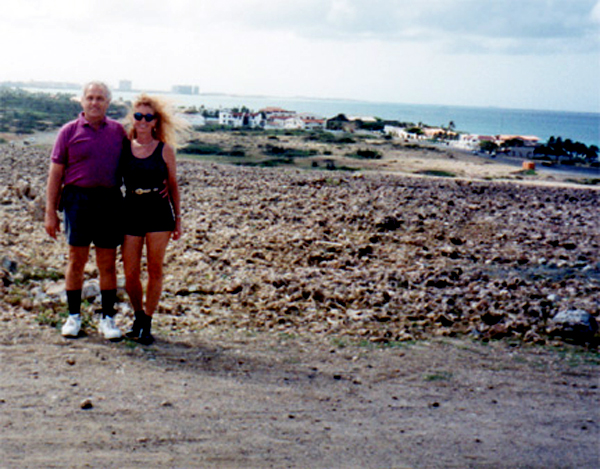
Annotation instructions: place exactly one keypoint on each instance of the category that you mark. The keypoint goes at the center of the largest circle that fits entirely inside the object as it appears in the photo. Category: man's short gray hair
(101, 84)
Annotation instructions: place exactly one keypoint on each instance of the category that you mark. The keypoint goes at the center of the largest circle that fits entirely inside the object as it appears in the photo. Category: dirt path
(219, 400)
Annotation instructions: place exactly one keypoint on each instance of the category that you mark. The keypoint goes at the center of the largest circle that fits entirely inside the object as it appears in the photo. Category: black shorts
(147, 213)
(93, 215)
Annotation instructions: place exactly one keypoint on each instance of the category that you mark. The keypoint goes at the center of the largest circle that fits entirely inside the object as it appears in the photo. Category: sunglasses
(138, 116)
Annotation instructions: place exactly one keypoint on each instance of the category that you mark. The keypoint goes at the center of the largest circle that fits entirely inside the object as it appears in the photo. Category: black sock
(109, 298)
(74, 302)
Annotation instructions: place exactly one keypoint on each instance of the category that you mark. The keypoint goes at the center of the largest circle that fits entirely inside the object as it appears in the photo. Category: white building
(312, 121)
(473, 142)
(274, 118)
(401, 133)
(470, 141)
(291, 123)
(240, 119)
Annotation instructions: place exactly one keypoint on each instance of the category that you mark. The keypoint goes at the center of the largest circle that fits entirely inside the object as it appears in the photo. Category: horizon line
(74, 86)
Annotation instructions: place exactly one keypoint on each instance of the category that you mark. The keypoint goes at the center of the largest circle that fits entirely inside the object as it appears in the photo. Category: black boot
(145, 337)
(140, 330)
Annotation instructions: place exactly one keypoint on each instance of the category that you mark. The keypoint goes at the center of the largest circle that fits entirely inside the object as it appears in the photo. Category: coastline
(578, 126)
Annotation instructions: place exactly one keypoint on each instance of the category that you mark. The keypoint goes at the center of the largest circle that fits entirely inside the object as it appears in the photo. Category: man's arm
(53, 191)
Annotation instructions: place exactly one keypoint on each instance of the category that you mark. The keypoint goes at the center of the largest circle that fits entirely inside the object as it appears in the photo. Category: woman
(151, 218)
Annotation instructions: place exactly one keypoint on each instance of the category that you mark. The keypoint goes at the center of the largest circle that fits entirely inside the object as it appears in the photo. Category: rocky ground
(342, 314)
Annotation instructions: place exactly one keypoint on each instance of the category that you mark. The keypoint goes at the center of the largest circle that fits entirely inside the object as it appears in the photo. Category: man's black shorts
(93, 215)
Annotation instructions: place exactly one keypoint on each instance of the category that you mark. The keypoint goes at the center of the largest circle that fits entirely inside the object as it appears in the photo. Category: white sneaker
(108, 328)
(72, 327)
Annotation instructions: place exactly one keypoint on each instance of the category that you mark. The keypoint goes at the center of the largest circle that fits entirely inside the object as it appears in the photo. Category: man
(83, 182)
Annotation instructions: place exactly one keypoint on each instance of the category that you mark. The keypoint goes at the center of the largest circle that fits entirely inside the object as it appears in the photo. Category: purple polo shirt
(90, 156)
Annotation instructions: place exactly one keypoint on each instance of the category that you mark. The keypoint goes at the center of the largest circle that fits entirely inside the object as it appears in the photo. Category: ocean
(578, 126)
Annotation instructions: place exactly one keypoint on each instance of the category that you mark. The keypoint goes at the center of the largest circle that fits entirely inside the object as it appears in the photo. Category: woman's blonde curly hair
(169, 128)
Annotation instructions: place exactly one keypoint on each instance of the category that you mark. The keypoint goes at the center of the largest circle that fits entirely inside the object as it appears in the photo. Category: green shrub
(366, 154)
(237, 152)
(328, 137)
(24, 112)
(211, 128)
(345, 140)
(289, 152)
(270, 163)
(590, 182)
(198, 148)
(436, 173)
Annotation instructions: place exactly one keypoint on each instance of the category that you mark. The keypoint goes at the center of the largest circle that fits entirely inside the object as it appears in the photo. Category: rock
(10, 265)
(574, 324)
(533, 337)
(91, 289)
(498, 331)
(55, 289)
(23, 189)
(445, 320)
(491, 318)
(378, 258)
(457, 241)
(86, 404)
(37, 209)
(388, 223)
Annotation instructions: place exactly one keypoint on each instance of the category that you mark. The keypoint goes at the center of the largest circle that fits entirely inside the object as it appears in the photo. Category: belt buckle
(140, 191)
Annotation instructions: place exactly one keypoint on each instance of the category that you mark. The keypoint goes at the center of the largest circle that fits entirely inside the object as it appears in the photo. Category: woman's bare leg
(156, 246)
(132, 260)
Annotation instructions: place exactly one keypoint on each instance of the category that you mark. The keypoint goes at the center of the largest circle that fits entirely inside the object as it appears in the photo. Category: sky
(524, 54)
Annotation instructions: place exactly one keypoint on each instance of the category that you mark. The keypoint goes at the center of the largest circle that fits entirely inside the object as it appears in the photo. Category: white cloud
(595, 14)
(500, 52)
(402, 19)
(446, 21)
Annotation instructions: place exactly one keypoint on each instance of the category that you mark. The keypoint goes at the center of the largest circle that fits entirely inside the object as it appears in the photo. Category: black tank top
(144, 173)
